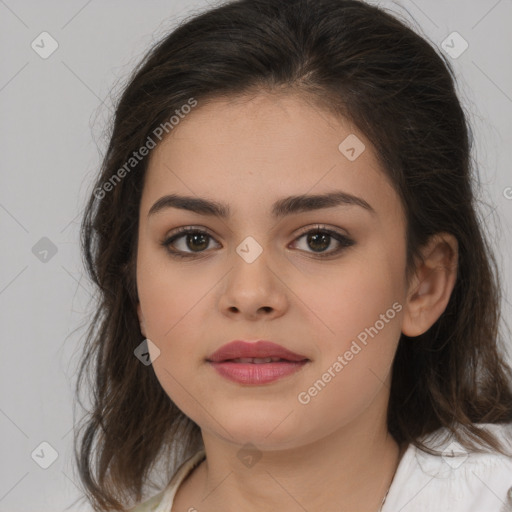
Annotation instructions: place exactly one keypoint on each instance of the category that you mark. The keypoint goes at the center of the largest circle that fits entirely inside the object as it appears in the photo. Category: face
(337, 301)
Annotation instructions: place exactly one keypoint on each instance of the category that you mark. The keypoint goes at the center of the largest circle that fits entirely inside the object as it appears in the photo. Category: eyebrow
(281, 208)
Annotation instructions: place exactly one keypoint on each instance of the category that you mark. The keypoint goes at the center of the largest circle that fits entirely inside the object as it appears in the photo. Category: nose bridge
(257, 251)
(250, 249)
(251, 285)
(251, 260)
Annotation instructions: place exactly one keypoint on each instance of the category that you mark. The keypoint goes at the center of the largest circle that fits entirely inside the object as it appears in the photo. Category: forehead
(262, 147)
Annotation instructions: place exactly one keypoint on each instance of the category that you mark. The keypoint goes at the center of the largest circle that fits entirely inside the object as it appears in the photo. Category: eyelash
(342, 239)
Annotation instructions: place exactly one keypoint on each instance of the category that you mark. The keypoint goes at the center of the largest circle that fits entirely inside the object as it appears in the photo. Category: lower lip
(253, 373)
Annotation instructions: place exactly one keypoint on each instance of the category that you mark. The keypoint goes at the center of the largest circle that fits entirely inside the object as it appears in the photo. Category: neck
(349, 469)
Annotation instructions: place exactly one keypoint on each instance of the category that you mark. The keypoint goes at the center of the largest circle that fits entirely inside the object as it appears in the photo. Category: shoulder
(162, 502)
(456, 480)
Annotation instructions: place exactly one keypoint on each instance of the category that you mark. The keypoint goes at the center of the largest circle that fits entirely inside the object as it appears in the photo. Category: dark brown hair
(354, 60)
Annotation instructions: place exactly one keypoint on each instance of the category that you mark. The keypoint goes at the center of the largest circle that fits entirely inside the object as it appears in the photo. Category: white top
(455, 482)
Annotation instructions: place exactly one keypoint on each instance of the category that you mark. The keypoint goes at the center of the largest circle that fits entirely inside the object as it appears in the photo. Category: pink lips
(247, 372)
(261, 348)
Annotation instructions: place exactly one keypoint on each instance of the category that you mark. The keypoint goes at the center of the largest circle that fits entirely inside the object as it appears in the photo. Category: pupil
(314, 238)
(193, 238)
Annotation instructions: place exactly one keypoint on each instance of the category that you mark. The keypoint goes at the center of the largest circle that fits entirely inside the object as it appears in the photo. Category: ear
(141, 320)
(432, 285)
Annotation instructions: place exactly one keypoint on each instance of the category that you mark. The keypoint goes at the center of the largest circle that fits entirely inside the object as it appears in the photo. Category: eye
(318, 239)
(193, 238)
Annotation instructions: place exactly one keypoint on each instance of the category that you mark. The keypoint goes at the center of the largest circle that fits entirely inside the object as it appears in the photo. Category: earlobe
(432, 285)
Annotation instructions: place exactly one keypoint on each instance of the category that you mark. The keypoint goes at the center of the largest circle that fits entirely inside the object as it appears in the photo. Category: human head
(358, 63)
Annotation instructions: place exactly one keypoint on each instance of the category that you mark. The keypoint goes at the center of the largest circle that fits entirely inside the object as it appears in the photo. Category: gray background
(53, 114)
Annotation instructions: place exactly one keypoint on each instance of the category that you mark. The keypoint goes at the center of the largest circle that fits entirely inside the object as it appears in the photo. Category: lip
(255, 373)
(261, 348)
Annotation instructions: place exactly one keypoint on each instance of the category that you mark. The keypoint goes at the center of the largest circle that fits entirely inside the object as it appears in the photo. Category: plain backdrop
(54, 112)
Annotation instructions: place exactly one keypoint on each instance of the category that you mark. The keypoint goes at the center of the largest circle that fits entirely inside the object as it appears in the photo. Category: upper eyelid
(344, 241)
(341, 238)
(192, 228)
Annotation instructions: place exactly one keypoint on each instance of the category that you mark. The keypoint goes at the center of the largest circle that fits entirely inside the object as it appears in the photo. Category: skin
(248, 152)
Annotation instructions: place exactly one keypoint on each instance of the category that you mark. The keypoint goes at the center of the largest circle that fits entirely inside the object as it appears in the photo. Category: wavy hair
(354, 60)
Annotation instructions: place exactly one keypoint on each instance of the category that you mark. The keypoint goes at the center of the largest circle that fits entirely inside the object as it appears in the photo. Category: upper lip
(260, 348)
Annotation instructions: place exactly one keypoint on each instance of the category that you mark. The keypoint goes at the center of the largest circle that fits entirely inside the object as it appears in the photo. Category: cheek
(355, 362)
(168, 296)
(360, 310)
(167, 300)
(351, 297)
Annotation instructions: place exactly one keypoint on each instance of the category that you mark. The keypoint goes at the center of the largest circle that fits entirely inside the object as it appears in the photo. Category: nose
(253, 290)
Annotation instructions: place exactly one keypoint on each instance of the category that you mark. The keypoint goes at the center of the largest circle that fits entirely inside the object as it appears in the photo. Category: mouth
(258, 352)
(257, 371)
(260, 360)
